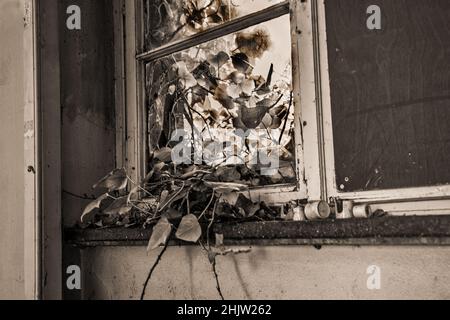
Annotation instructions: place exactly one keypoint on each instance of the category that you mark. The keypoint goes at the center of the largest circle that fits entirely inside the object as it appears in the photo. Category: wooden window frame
(313, 123)
(131, 105)
(32, 161)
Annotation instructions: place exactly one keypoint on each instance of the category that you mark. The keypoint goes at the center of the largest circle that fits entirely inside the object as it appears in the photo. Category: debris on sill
(210, 194)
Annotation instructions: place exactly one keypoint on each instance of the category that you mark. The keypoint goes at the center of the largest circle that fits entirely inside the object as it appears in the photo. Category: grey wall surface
(11, 150)
(87, 101)
(270, 273)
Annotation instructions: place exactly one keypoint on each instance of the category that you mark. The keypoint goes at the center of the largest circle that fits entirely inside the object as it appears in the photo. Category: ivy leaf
(247, 206)
(221, 95)
(116, 180)
(185, 77)
(219, 60)
(164, 155)
(119, 206)
(230, 198)
(134, 194)
(241, 62)
(93, 205)
(169, 199)
(160, 235)
(252, 117)
(223, 187)
(189, 229)
(172, 214)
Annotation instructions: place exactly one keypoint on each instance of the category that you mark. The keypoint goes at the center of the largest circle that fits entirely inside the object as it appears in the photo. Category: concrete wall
(11, 150)
(270, 273)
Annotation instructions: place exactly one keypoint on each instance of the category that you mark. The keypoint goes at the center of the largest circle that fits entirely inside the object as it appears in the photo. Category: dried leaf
(164, 196)
(222, 187)
(249, 208)
(236, 77)
(119, 206)
(173, 197)
(255, 43)
(164, 154)
(160, 235)
(116, 180)
(231, 198)
(189, 229)
(134, 194)
(222, 96)
(219, 60)
(276, 123)
(252, 117)
(172, 214)
(227, 174)
(241, 62)
(93, 205)
(186, 78)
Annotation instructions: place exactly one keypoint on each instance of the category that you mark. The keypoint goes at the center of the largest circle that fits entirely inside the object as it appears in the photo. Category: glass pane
(233, 98)
(390, 92)
(170, 20)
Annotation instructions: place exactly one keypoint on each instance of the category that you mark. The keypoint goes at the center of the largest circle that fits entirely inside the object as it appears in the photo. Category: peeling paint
(29, 130)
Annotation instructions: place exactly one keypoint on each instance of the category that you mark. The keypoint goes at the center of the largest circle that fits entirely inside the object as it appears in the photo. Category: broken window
(170, 20)
(225, 103)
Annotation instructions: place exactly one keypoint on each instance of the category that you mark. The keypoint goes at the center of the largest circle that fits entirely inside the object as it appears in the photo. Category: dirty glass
(228, 103)
(166, 21)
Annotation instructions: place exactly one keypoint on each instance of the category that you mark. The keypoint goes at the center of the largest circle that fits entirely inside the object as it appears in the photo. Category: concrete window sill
(414, 230)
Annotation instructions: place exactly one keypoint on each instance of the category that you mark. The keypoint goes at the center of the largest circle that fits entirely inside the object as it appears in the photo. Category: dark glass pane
(390, 92)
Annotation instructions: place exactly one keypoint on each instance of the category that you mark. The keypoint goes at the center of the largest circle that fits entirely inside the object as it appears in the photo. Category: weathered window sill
(414, 230)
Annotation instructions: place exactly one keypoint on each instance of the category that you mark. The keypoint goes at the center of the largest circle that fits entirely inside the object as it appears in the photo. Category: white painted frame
(316, 110)
(131, 112)
(32, 232)
(131, 141)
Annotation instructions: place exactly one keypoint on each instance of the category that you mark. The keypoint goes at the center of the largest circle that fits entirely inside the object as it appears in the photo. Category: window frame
(313, 123)
(131, 114)
(418, 200)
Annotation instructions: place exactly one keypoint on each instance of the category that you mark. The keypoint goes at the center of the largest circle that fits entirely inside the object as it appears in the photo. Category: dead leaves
(189, 229)
(119, 206)
(254, 44)
(160, 235)
(252, 117)
(92, 206)
(116, 180)
(223, 97)
(164, 155)
(221, 187)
